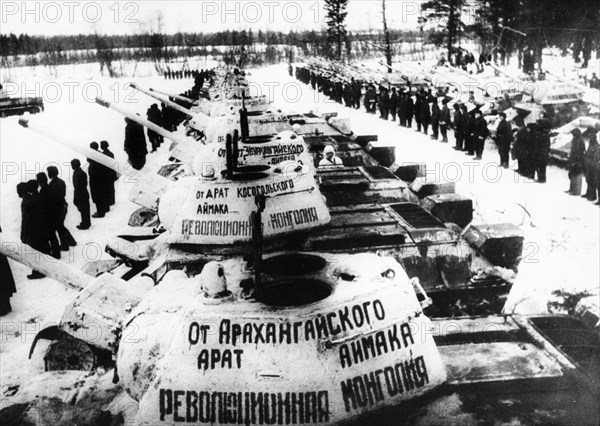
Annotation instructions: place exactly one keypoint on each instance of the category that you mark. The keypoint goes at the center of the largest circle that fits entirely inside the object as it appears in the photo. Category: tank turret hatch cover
(219, 212)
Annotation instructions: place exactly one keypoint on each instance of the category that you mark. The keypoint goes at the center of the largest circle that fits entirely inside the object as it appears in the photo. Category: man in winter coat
(48, 213)
(393, 104)
(111, 176)
(81, 197)
(541, 149)
(59, 192)
(98, 187)
(469, 133)
(523, 151)
(33, 232)
(417, 111)
(435, 118)
(480, 134)
(154, 116)
(409, 110)
(576, 162)
(504, 138)
(459, 131)
(383, 103)
(444, 120)
(591, 159)
(135, 144)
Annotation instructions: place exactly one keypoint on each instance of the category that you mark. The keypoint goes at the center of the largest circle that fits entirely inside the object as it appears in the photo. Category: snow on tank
(323, 339)
(205, 211)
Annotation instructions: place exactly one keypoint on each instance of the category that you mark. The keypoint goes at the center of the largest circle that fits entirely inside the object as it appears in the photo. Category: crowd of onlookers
(180, 74)
(528, 144)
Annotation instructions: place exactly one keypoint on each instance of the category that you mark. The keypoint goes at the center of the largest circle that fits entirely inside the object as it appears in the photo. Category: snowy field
(561, 231)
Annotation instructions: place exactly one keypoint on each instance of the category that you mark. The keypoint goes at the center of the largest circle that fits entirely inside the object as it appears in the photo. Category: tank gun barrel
(173, 97)
(47, 265)
(146, 123)
(166, 101)
(76, 146)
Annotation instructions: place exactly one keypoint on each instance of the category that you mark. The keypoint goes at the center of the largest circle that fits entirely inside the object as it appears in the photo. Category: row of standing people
(179, 74)
(529, 145)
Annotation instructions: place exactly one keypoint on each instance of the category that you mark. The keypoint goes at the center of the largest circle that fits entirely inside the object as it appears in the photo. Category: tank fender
(48, 333)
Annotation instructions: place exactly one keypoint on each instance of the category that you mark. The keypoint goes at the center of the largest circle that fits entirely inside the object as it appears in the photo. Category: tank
(233, 342)
(10, 105)
(374, 210)
(203, 215)
(425, 225)
(256, 281)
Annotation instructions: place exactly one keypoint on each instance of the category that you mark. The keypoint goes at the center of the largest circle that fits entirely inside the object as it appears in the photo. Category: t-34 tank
(311, 338)
(467, 268)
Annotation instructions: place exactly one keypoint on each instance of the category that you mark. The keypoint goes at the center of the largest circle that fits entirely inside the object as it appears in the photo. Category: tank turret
(247, 346)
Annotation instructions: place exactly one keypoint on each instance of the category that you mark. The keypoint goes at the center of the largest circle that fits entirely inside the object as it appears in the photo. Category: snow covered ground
(561, 231)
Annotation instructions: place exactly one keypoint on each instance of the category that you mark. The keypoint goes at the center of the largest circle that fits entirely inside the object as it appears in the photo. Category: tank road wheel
(69, 354)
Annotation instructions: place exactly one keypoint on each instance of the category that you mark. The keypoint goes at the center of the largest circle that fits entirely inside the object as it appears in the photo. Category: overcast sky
(128, 17)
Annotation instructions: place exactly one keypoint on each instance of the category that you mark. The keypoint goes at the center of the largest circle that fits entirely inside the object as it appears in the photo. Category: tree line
(505, 27)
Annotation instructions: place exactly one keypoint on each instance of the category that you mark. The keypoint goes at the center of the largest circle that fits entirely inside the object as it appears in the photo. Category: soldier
(576, 162)
(594, 82)
(32, 229)
(410, 109)
(135, 144)
(425, 114)
(435, 117)
(523, 152)
(98, 185)
(393, 104)
(154, 116)
(444, 120)
(480, 134)
(402, 108)
(330, 159)
(81, 197)
(417, 110)
(591, 159)
(458, 127)
(59, 192)
(383, 103)
(111, 176)
(357, 94)
(504, 138)
(469, 133)
(541, 149)
(47, 214)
